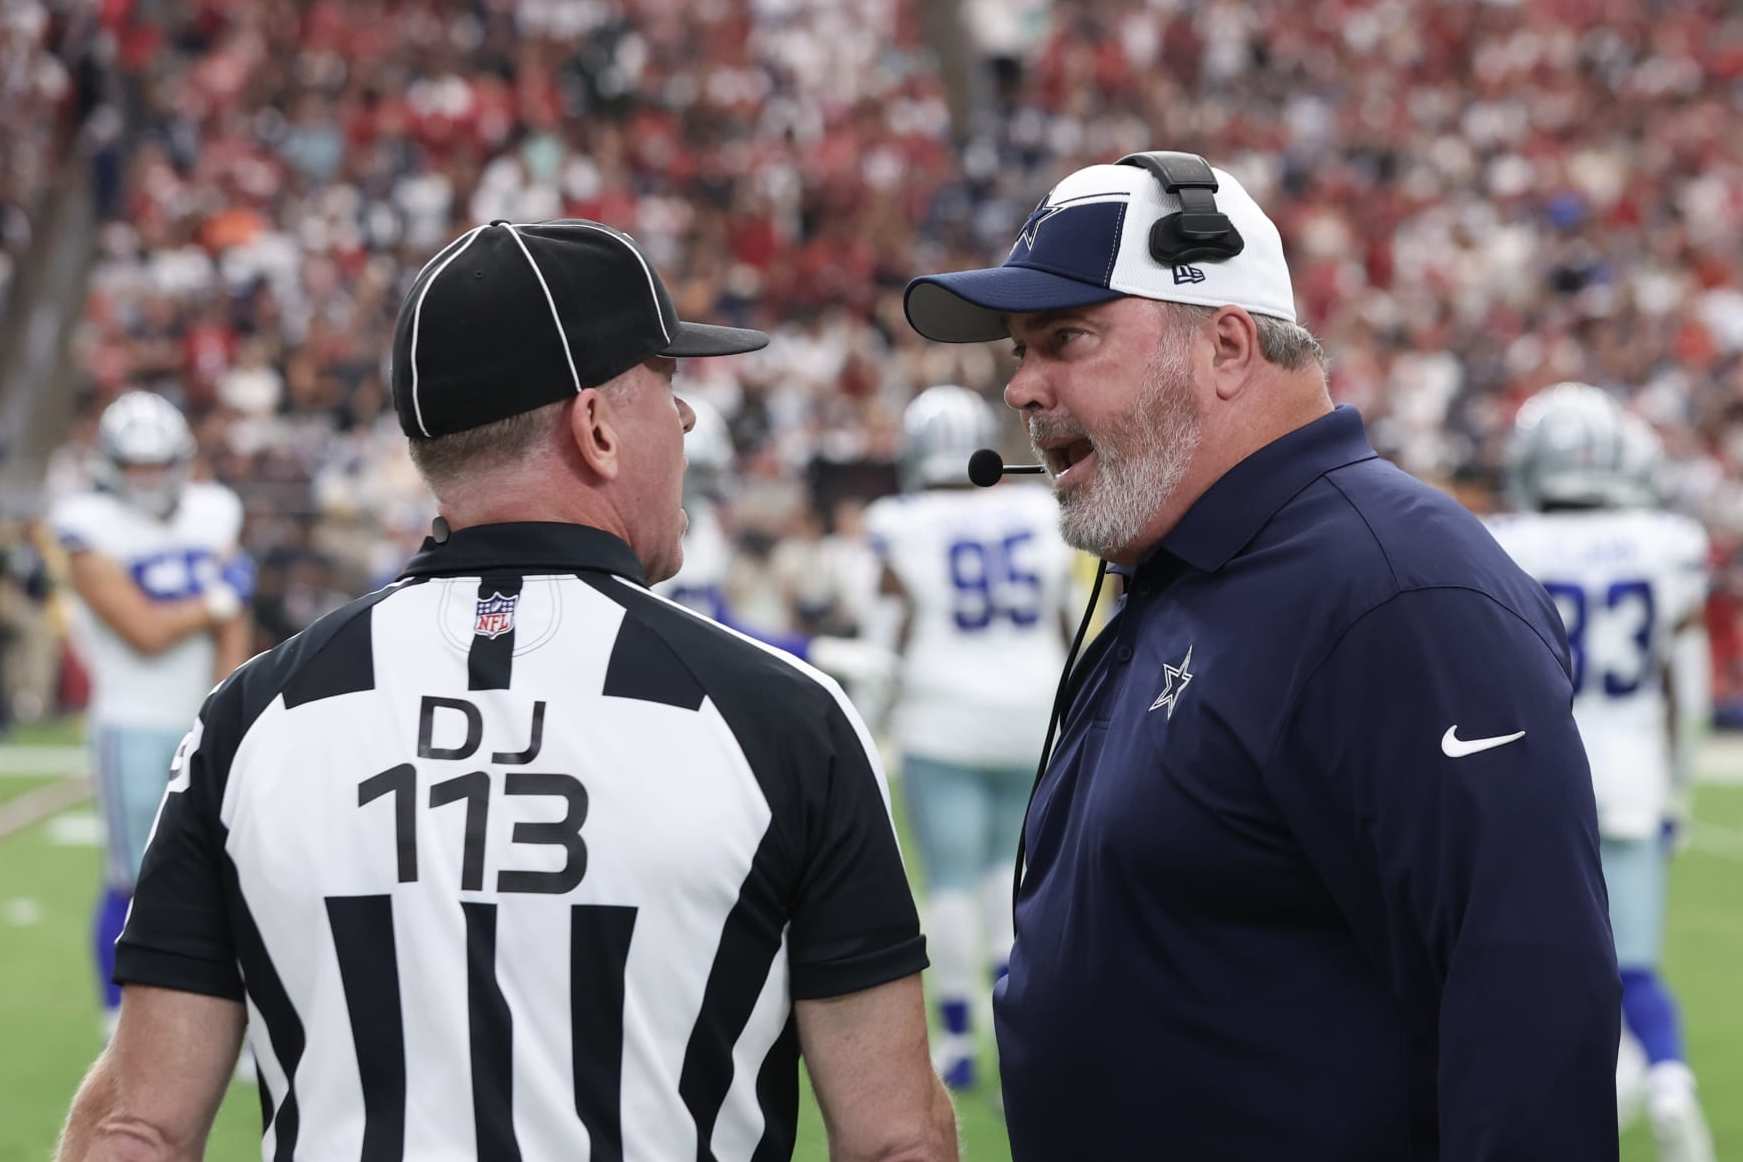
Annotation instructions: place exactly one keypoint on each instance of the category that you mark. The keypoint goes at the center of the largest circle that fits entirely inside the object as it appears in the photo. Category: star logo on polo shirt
(1033, 227)
(1174, 681)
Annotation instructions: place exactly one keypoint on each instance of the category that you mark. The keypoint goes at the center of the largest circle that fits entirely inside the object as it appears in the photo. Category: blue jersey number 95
(991, 581)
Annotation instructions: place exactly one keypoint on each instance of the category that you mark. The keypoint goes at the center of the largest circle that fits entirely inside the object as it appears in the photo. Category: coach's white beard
(1140, 460)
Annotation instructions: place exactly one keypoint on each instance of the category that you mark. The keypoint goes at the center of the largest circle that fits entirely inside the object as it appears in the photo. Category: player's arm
(152, 1095)
(234, 638)
(235, 645)
(890, 584)
(1434, 774)
(869, 1065)
(1688, 674)
(150, 627)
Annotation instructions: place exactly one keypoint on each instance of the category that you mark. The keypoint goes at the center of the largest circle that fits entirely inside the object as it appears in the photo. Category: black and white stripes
(533, 860)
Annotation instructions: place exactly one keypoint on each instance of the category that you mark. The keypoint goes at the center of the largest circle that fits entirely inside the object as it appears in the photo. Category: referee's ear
(596, 436)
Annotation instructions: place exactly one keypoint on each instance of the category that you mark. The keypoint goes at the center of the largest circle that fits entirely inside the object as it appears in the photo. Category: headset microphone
(986, 468)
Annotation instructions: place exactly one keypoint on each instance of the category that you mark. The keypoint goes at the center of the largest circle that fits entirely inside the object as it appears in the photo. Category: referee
(1313, 870)
(514, 859)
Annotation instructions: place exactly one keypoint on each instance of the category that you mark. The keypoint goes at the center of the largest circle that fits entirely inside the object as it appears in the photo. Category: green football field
(49, 871)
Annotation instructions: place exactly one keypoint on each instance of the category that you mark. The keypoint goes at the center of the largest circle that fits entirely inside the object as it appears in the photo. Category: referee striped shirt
(514, 859)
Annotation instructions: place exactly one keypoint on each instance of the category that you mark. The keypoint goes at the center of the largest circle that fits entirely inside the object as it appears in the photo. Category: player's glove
(222, 602)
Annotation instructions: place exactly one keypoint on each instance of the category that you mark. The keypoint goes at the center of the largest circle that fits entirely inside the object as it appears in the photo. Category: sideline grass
(48, 999)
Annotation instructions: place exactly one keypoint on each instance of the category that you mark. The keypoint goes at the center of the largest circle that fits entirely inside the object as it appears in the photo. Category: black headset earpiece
(1198, 232)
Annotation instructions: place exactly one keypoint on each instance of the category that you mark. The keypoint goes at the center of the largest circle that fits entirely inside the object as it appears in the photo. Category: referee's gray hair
(1288, 345)
(449, 461)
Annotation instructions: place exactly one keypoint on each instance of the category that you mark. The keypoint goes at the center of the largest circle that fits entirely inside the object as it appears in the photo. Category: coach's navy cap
(1089, 242)
(511, 316)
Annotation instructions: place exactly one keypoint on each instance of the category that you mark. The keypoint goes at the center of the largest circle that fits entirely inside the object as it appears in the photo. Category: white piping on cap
(653, 291)
(460, 245)
(551, 302)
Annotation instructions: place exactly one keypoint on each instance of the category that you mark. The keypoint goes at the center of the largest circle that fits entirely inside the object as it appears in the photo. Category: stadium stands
(1481, 199)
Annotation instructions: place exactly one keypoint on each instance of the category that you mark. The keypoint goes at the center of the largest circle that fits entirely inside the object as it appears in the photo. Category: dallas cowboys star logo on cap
(1174, 683)
(1032, 227)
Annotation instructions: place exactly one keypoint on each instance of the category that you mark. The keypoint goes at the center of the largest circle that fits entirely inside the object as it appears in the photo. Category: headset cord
(1059, 700)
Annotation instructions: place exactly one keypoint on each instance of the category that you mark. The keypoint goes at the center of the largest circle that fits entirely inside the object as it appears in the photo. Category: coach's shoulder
(1427, 537)
(1430, 541)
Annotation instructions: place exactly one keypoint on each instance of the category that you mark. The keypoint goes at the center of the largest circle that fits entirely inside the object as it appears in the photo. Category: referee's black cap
(511, 316)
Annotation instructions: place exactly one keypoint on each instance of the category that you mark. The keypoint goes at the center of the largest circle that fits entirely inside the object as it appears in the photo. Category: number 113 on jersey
(476, 788)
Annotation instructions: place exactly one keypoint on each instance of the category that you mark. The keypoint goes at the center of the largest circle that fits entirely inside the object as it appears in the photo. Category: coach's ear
(595, 434)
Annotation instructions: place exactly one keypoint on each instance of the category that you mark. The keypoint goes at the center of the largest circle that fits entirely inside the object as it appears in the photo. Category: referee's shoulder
(330, 655)
(726, 661)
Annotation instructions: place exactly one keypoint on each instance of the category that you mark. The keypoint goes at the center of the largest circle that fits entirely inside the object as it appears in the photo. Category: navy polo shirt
(1297, 885)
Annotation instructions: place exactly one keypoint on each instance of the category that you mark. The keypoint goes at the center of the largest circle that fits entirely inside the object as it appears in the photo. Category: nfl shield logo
(495, 616)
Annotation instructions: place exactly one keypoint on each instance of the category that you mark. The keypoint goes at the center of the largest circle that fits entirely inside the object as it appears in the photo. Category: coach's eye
(1065, 335)
(1017, 350)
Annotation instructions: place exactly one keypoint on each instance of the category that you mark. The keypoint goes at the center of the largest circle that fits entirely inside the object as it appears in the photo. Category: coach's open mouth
(1066, 458)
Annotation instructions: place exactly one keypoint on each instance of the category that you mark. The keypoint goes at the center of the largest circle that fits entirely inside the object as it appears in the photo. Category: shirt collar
(1233, 510)
(525, 547)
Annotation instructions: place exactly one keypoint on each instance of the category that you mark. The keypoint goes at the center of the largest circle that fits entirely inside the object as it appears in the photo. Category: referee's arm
(1468, 865)
(153, 1093)
(855, 952)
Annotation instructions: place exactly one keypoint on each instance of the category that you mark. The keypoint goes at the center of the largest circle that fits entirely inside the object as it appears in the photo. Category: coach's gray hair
(448, 461)
(1288, 345)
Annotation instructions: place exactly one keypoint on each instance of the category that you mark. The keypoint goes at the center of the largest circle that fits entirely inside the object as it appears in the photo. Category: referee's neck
(500, 500)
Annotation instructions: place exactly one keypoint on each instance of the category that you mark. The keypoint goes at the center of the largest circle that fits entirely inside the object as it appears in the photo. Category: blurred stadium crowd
(1480, 199)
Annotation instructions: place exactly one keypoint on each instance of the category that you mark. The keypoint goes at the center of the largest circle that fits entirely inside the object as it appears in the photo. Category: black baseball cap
(512, 316)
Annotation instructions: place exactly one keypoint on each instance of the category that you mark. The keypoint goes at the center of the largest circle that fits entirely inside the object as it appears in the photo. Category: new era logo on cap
(1088, 242)
(511, 316)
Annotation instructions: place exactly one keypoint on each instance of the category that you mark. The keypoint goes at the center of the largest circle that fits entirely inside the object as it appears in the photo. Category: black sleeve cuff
(135, 964)
(813, 982)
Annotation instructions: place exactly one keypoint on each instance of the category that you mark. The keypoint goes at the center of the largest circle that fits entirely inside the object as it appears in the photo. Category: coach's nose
(1029, 389)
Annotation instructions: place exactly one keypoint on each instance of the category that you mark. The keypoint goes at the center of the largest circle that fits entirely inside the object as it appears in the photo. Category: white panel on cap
(1257, 278)
(1098, 180)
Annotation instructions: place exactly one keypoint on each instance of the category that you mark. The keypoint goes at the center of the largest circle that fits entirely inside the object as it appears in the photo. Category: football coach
(1312, 872)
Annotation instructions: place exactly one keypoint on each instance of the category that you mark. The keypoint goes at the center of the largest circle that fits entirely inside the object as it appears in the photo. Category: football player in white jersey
(161, 586)
(701, 582)
(983, 577)
(1630, 580)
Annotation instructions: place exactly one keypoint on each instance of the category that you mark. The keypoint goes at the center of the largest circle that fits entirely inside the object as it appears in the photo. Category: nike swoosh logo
(1454, 747)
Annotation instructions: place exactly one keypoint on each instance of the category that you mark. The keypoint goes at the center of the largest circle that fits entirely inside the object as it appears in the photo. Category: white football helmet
(708, 452)
(1642, 463)
(944, 426)
(144, 452)
(1572, 447)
